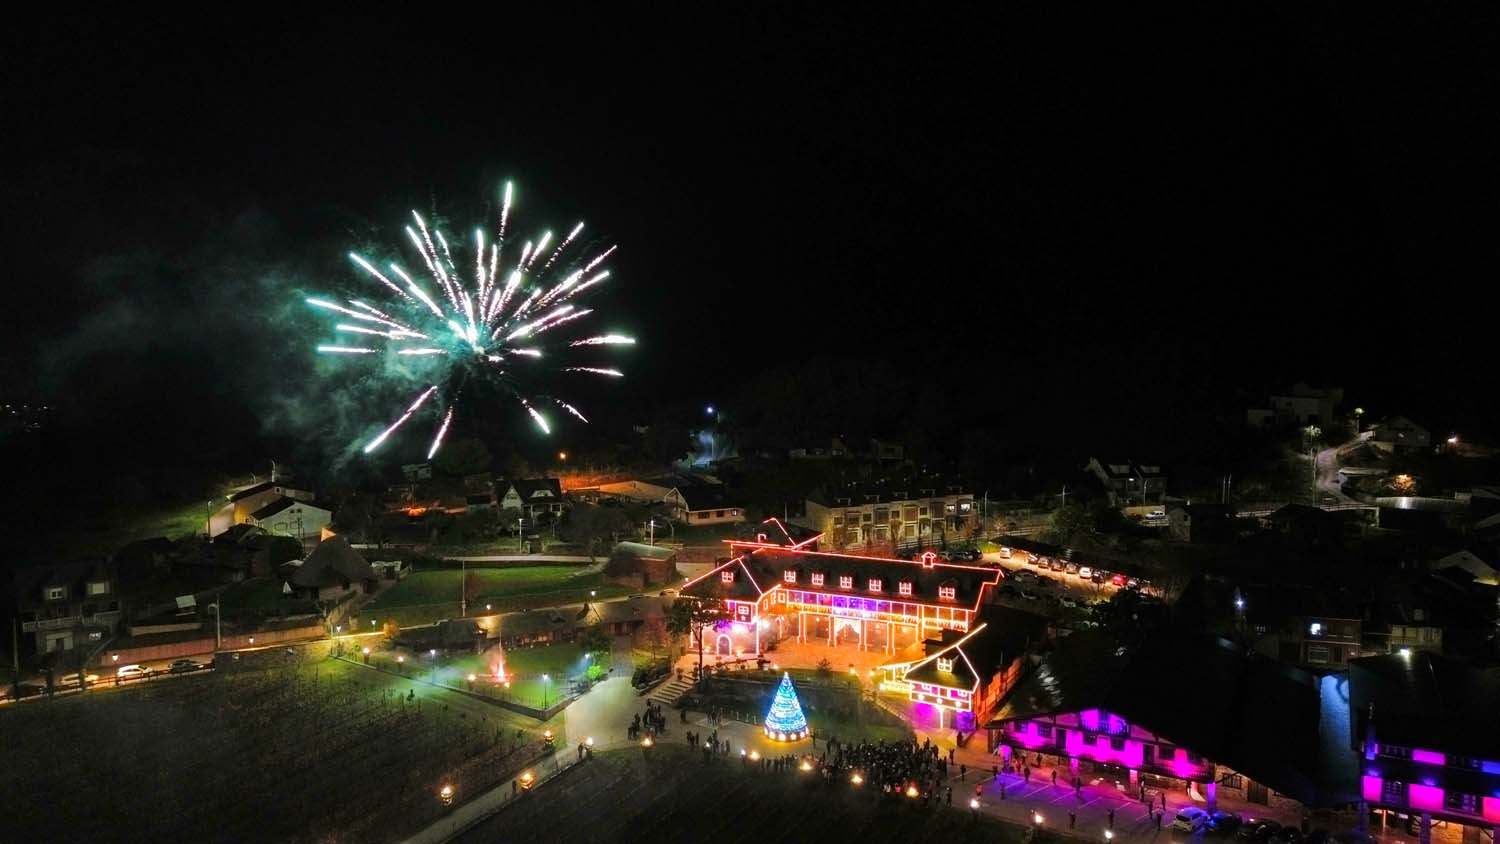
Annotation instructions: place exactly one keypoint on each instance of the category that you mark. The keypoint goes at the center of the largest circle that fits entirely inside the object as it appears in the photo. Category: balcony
(102, 619)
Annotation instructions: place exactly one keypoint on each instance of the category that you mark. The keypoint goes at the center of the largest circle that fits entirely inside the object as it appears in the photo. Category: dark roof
(331, 563)
(631, 609)
(705, 496)
(29, 580)
(236, 534)
(998, 637)
(252, 490)
(776, 532)
(765, 567)
(890, 490)
(1264, 722)
(1428, 701)
(284, 502)
(541, 489)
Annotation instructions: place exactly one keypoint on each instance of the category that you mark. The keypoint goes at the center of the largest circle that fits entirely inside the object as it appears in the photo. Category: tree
(593, 639)
(467, 456)
(692, 615)
(666, 442)
(593, 527)
(654, 633)
(1064, 522)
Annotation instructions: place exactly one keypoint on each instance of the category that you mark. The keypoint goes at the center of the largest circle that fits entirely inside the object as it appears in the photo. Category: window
(1461, 802)
(734, 512)
(718, 514)
(1168, 752)
(904, 587)
(965, 506)
(1044, 730)
(1194, 759)
(1317, 653)
(838, 521)
(99, 587)
(874, 584)
(947, 593)
(727, 575)
(1233, 781)
(922, 511)
(951, 507)
(57, 593)
(867, 517)
(846, 581)
(945, 664)
(1148, 753)
(817, 578)
(1395, 751)
(1117, 742)
(789, 576)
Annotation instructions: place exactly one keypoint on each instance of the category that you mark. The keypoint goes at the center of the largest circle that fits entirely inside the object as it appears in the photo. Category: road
(1327, 473)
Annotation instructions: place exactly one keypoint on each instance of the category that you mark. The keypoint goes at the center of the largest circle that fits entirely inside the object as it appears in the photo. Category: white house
(532, 496)
(294, 517)
(1397, 433)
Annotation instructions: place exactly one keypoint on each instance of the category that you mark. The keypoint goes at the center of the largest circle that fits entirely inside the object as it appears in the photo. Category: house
(834, 450)
(1322, 642)
(301, 519)
(1397, 433)
(1427, 741)
(773, 532)
(245, 502)
(627, 617)
(913, 510)
(532, 496)
(639, 566)
(68, 605)
(1095, 707)
(690, 498)
(1201, 522)
(885, 450)
(1130, 484)
(331, 571)
(479, 492)
(1310, 526)
(416, 472)
(1301, 405)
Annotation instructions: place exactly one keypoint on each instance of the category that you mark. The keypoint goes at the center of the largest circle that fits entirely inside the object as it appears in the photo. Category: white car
(71, 680)
(1190, 819)
(1085, 572)
(131, 672)
(1004, 553)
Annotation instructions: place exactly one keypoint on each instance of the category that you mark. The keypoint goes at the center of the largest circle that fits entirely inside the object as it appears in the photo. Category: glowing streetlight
(589, 743)
(400, 658)
(1036, 818)
(562, 455)
(115, 657)
(856, 779)
(1109, 835)
(911, 791)
(806, 765)
(754, 756)
(446, 793)
(472, 678)
(1405, 653)
(974, 803)
(647, 742)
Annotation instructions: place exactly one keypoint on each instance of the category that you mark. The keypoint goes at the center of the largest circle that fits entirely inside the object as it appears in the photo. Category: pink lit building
(1427, 733)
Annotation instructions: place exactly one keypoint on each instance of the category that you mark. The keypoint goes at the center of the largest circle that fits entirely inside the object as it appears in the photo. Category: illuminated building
(1428, 741)
(845, 600)
(892, 511)
(1183, 712)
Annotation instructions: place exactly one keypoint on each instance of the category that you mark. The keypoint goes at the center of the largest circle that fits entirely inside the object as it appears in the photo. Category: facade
(67, 606)
(1301, 405)
(1322, 642)
(244, 503)
(867, 603)
(900, 512)
(690, 499)
(1204, 522)
(533, 496)
(1099, 708)
(332, 571)
(1130, 484)
(301, 519)
(1428, 742)
(968, 674)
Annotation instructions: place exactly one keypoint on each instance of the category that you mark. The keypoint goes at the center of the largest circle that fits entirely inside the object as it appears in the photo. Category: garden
(423, 597)
(535, 677)
(271, 748)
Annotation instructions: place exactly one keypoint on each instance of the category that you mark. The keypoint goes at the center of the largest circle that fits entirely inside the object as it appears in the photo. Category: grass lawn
(269, 749)
(524, 667)
(425, 596)
(670, 794)
(699, 534)
(255, 594)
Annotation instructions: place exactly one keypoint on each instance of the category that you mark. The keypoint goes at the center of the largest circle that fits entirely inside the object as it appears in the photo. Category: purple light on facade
(1116, 725)
(1424, 797)
(1089, 718)
(1428, 757)
(1370, 788)
(1492, 808)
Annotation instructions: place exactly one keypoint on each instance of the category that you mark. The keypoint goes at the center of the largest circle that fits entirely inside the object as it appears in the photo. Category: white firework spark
(470, 325)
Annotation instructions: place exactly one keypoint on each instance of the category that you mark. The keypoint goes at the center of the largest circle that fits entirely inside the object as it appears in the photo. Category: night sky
(1064, 222)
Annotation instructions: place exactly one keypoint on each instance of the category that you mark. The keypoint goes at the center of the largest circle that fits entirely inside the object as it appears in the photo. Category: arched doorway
(724, 646)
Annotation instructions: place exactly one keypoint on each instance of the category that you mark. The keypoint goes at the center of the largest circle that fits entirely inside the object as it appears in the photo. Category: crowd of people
(652, 722)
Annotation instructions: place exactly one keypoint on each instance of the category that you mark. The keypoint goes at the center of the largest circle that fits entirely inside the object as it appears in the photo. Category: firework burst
(486, 322)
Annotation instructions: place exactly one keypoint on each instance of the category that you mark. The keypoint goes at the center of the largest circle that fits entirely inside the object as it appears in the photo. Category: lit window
(789, 576)
(1316, 628)
(846, 581)
(874, 584)
(945, 664)
(56, 593)
(947, 593)
(727, 575)
(904, 587)
(817, 578)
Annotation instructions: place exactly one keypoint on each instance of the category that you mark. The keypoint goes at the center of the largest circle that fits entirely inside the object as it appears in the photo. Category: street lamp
(1109, 835)
(1036, 819)
(546, 679)
(446, 793)
(218, 637)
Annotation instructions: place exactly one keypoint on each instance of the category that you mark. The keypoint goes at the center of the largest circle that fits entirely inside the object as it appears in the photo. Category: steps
(670, 692)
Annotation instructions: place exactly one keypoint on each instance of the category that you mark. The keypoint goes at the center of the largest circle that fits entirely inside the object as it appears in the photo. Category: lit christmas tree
(784, 720)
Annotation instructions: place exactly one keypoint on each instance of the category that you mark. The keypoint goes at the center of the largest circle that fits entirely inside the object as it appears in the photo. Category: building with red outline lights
(922, 613)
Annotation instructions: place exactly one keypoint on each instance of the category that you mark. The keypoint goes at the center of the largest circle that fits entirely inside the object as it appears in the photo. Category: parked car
(1068, 602)
(1118, 579)
(1070, 568)
(1132, 583)
(1004, 553)
(1190, 819)
(1085, 573)
(1100, 576)
(1157, 514)
(182, 666)
(131, 672)
(1223, 823)
(1057, 565)
(71, 680)
(1257, 830)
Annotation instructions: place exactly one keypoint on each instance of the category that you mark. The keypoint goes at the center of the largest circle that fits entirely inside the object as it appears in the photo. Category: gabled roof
(999, 636)
(537, 489)
(262, 487)
(704, 497)
(743, 586)
(775, 532)
(283, 503)
(331, 563)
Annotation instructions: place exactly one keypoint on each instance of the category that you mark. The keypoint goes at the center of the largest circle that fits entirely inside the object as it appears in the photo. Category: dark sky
(1108, 217)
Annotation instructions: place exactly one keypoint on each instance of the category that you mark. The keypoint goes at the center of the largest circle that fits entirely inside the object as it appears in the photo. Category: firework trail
(467, 329)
